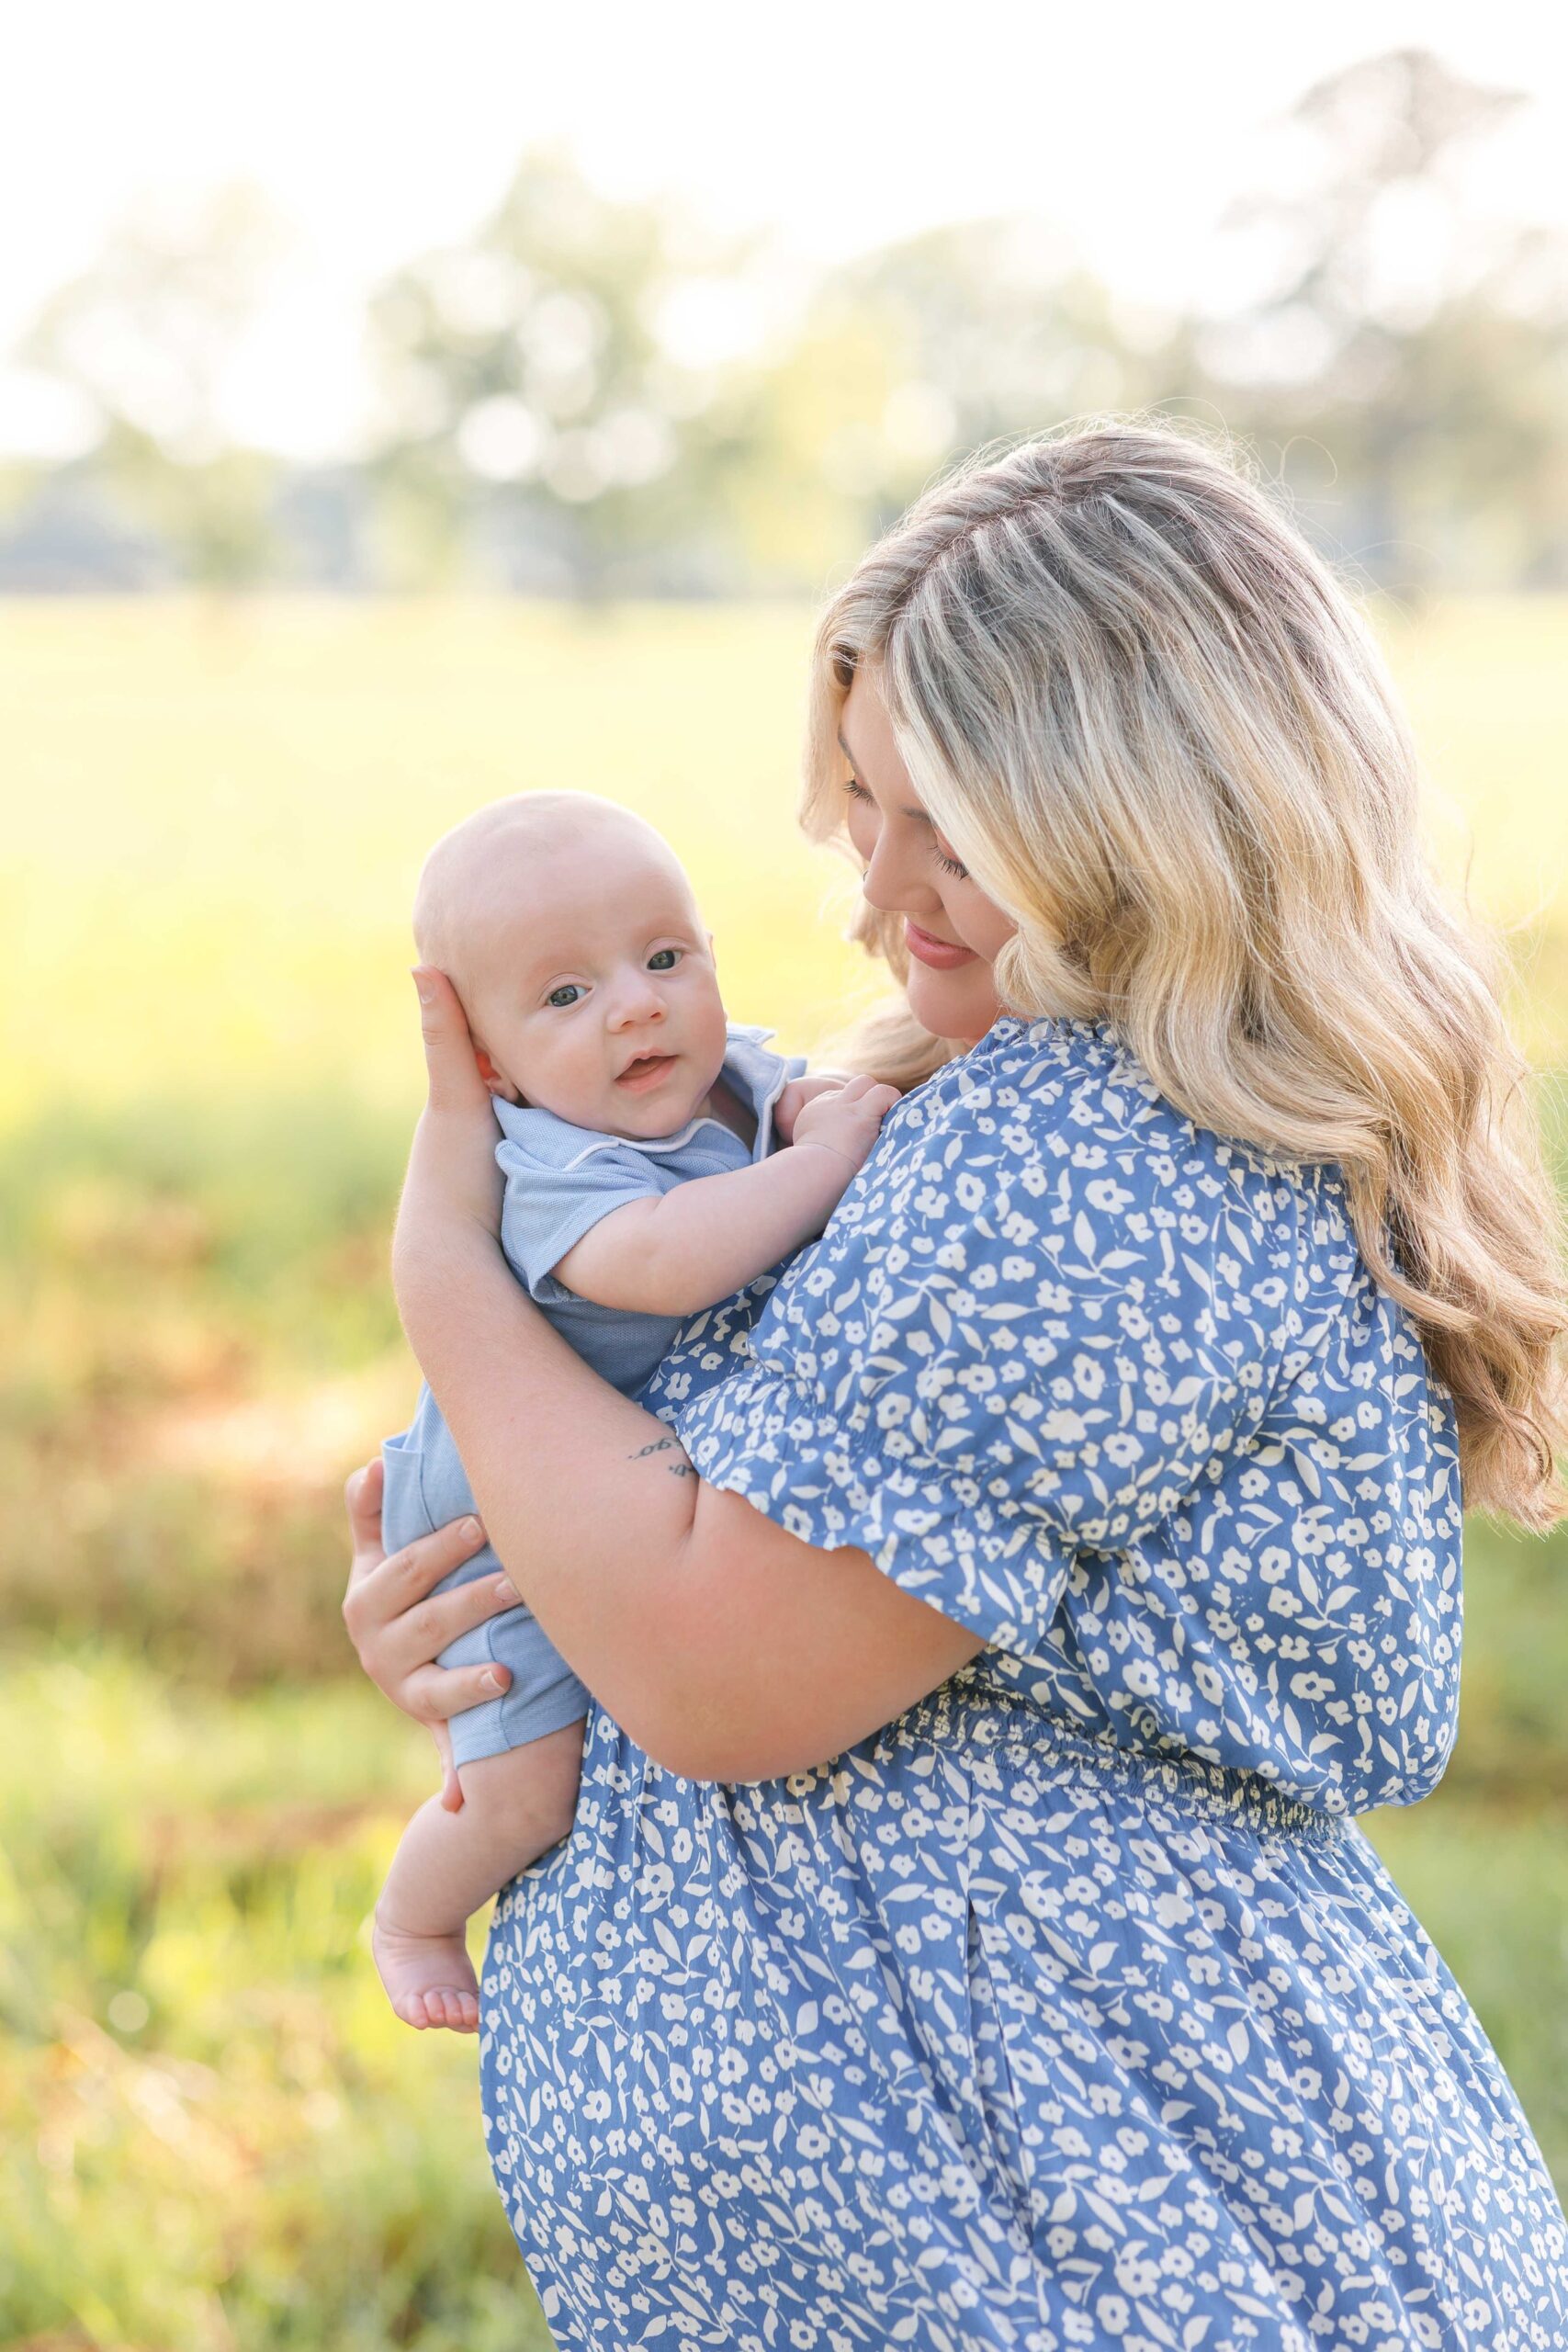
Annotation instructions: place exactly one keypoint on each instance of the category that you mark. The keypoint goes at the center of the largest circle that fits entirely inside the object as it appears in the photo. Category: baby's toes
(449, 2007)
(413, 2009)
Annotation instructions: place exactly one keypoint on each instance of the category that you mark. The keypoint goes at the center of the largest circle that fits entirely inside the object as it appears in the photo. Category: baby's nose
(637, 999)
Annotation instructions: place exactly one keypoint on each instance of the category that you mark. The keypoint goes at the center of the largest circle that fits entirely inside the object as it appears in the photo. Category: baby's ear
(496, 1080)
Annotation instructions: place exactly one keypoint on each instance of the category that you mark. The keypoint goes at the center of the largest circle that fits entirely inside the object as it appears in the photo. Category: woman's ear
(496, 1080)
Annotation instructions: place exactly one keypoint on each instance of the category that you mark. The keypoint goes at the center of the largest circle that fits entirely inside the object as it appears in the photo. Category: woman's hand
(452, 1197)
(399, 1629)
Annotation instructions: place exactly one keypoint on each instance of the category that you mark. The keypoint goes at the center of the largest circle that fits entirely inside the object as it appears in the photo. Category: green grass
(1486, 1880)
(212, 855)
(215, 2137)
(214, 2133)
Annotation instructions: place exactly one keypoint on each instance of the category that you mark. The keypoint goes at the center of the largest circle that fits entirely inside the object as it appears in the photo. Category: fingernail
(506, 1590)
(489, 1680)
(422, 987)
(471, 1532)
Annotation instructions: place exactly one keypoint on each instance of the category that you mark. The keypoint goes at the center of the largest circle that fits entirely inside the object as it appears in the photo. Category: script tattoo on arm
(680, 1469)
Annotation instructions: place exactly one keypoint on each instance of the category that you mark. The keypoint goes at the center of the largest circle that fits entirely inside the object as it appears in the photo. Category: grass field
(215, 2139)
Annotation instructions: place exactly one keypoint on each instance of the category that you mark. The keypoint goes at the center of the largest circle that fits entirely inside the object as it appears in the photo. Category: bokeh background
(400, 409)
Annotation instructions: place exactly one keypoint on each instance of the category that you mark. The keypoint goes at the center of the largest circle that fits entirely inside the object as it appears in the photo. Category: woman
(1089, 1495)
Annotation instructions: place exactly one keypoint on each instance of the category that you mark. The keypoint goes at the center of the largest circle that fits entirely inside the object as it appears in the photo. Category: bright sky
(380, 127)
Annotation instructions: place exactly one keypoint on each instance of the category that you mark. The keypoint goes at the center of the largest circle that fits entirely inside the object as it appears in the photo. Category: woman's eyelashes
(857, 791)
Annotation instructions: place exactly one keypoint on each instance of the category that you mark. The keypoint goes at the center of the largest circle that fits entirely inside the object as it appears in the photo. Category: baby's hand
(798, 1093)
(845, 1118)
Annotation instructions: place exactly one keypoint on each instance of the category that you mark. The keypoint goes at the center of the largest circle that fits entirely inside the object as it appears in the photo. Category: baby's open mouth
(646, 1071)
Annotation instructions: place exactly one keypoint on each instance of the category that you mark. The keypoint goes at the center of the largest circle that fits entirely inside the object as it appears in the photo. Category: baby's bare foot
(430, 1979)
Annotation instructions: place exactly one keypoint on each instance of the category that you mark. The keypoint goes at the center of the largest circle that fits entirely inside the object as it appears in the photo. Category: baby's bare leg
(514, 1807)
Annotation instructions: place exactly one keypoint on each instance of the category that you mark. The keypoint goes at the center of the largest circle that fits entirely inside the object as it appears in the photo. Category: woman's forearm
(726, 1648)
(589, 1500)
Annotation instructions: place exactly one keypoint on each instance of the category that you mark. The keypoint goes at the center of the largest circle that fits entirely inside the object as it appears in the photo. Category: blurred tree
(579, 398)
(534, 393)
(910, 356)
(1410, 355)
(18, 479)
(145, 339)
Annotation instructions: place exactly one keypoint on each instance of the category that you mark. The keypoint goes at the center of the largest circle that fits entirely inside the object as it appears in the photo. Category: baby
(641, 1136)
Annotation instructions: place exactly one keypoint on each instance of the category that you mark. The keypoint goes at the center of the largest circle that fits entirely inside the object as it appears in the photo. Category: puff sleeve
(1041, 1315)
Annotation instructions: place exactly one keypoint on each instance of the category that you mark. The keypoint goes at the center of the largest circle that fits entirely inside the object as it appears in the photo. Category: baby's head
(571, 933)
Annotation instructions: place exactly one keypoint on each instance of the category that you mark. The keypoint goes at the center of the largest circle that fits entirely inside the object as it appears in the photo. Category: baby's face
(598, 999)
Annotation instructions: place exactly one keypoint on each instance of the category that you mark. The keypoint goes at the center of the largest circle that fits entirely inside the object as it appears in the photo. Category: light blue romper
(560, 1180)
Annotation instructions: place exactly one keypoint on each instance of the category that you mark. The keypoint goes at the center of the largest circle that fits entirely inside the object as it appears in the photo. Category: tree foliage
(145, 340)
(529, 394)
(568, 400)
(1410, 354)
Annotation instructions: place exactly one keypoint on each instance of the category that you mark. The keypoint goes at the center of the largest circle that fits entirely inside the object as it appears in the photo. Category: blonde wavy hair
(1158, 734)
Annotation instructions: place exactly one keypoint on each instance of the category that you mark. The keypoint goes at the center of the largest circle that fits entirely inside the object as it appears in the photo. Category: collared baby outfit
(560, 1180)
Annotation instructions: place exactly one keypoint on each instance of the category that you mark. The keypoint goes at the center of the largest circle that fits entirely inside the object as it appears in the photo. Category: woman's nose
(892, 880)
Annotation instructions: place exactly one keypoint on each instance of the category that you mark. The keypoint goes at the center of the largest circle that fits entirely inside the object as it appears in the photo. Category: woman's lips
(638, 1077)
(943, 954)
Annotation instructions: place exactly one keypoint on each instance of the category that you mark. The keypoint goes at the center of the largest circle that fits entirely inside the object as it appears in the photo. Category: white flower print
(1070, 2009)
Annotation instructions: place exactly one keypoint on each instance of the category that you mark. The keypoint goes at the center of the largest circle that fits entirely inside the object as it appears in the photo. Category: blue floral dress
(1072, 2009)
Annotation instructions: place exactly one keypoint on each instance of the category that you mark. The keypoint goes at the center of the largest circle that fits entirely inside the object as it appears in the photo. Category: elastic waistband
(1032, 1741)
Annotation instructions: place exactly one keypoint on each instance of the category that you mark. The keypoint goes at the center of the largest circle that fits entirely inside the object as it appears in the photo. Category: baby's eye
(855, 788)
(664, 959)
(567, 993)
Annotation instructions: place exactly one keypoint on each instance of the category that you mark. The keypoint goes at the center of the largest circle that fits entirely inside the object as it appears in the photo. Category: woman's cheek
(978, 922)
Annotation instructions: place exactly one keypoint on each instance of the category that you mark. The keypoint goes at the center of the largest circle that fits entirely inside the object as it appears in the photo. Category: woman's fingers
(454, 1080)
(423, 1631)
(398, 1598)
(419, 1567)
(362, 1500)
(399, 1624)
(453, 1183)
(386, 1590)
(435, 1693)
